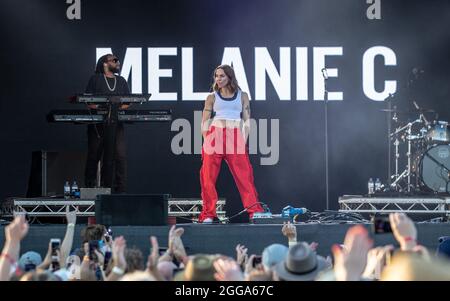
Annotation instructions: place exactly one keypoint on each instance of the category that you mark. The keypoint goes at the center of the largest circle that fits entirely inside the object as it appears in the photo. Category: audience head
(300, 264)
(409, 266)
(29, 261)
(39, 275)
(443, 248)
(93, 232)
(198, 268)
(272, 255)
(166, 269)
(134, 259)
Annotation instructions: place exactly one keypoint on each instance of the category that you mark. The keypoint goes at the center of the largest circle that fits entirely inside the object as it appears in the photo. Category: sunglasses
(115, 60)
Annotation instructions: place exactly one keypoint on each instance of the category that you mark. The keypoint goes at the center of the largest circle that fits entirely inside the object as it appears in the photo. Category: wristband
(118, 271)
(409, 238)
(9, 258)
(70, 225)
(292, 243)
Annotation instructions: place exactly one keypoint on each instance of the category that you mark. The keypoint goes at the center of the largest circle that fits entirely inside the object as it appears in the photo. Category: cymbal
(408, 111)
(414, 137)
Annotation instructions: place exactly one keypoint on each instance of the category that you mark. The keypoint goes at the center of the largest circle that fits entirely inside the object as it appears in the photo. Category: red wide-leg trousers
(228, 144)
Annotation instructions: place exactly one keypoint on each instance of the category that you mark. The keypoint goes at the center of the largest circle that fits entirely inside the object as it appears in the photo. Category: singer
(225, 137)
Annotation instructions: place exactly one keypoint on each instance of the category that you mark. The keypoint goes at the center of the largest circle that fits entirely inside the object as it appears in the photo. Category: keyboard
(102, 99)
(99, 116)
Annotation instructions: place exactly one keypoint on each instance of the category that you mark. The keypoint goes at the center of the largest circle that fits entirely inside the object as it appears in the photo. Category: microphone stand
(325, 77)
(389, 129)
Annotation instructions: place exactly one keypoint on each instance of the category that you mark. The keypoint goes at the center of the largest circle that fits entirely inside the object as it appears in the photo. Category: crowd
(102, 257)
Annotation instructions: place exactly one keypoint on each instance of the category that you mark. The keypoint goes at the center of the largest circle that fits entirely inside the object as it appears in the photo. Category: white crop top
(228, 108)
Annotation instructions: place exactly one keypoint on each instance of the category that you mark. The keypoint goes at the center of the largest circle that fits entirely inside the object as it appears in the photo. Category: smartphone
(93, 245)
(381, 224)
(108, 235)
(55, 245)
(108, 256)
(257, 260)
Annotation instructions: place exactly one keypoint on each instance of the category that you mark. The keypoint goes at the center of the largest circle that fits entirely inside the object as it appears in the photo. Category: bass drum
(434, 169)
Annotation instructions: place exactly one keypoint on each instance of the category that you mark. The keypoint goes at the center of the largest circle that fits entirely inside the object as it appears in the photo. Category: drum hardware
(421, 144)
(407, 172)
(389, 124)
(422, 117)
(429, 141)
(407, 112)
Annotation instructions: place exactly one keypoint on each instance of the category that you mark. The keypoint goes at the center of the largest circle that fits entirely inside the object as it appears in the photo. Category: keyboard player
(106, 141)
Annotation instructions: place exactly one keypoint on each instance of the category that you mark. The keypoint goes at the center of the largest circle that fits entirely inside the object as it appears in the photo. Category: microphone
(324, 73)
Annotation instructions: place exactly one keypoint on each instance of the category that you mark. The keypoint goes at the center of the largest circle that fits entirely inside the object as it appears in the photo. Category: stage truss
(409, 205)
(50, 207)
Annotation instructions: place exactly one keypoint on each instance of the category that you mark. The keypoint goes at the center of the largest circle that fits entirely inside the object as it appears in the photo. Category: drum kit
(427, 146)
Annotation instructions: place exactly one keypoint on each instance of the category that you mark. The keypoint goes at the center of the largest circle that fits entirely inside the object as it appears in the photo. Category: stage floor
(222, 239)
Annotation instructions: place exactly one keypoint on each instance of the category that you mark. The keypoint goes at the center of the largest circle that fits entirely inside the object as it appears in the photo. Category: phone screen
(257, 260)
(93, 245)
(108, 235)
(381, 225)
(55, 245)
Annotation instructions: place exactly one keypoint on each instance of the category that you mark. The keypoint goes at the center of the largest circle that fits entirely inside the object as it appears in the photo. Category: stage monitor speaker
(51, 169)
(132, 209)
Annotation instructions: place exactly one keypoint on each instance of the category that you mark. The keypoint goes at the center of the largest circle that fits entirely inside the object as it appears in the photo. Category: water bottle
(66, 190)
(377, 185)
(371, 186)
(75, 190)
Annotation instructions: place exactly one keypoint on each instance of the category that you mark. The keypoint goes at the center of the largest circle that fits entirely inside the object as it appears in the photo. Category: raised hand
(313, 246)
(227, 270)
(176, 247)
(249, 265)
(47, 259)
(17, 229)
(377, 259)
(241, 255)
(71, 216)
(290, 231)
(118, 252)
(152, 261)
(350, 260)
(176, 232)
(404, 230)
